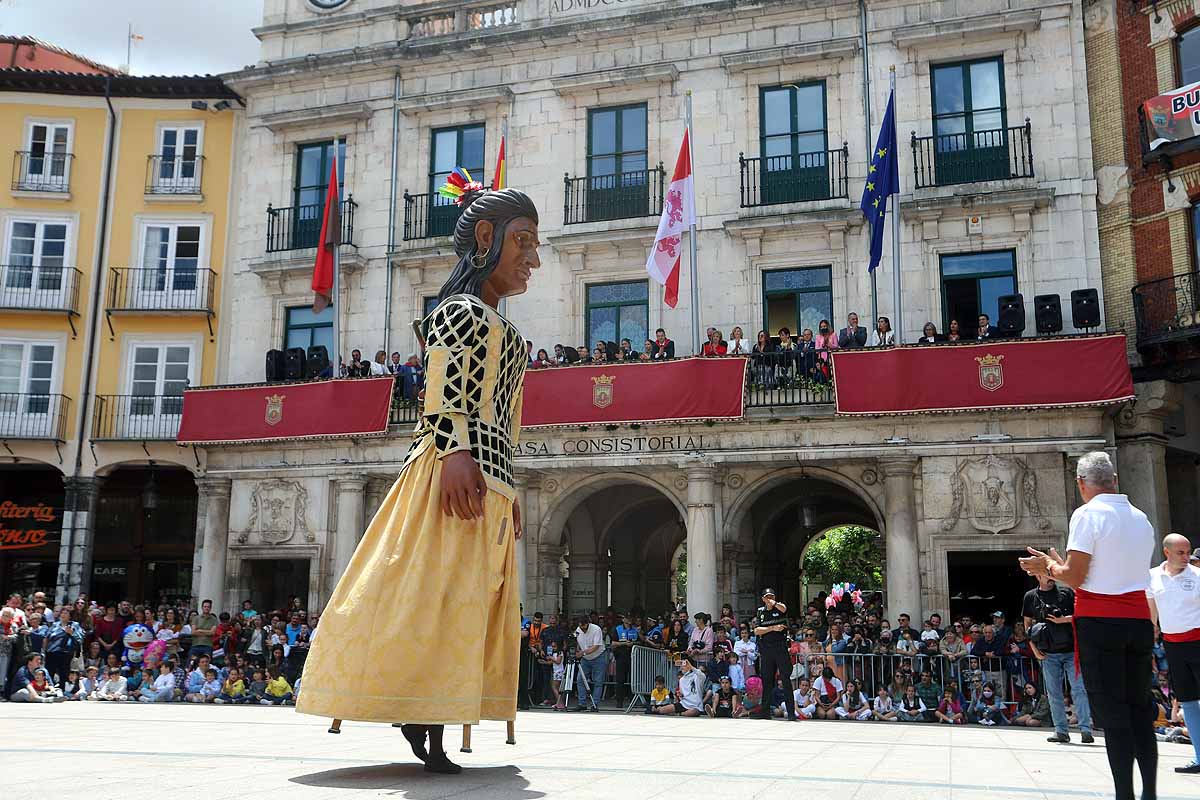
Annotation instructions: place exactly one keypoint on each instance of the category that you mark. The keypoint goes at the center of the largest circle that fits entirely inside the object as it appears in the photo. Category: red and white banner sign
(278, 411)
(664, 391)
(679, 214)
(999, 374)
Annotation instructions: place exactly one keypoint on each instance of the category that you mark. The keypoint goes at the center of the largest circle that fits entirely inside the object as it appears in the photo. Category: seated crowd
(151, 653)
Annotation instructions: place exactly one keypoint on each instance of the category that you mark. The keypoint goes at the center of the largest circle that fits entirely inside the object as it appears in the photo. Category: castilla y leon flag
(679, 213)
(331, 237)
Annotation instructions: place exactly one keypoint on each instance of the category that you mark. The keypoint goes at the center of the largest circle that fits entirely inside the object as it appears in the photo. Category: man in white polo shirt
(1174, 595)
(1109, 549)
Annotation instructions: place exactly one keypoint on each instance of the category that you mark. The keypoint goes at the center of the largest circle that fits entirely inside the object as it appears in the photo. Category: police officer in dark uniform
(771, 626)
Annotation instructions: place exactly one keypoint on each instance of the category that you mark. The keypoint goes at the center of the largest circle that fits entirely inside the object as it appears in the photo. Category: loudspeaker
(1085, 308)
(275, 366)
(318, 360)
(1012, 315)
(294, 364)
(1047, 313)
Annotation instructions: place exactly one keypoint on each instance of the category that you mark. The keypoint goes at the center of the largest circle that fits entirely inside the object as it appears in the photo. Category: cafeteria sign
(1174, 116)
(25, 527)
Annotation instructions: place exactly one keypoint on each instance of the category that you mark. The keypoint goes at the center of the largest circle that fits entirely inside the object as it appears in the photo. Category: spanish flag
(498, 175)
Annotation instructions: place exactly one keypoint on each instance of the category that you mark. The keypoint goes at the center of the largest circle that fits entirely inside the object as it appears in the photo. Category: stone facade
(746, 496)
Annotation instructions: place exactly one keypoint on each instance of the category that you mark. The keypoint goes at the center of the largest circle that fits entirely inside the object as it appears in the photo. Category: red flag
(331, 237)
(498, 176)
(679, 213)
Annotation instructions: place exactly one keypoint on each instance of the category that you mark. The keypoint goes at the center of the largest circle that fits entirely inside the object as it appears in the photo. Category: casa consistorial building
(998, 198)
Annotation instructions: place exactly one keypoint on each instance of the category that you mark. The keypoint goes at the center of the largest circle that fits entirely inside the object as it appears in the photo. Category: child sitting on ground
(233, 691)
(257, 691)
(278, 692)
(659, 695)
(883, 708)
(950, 710)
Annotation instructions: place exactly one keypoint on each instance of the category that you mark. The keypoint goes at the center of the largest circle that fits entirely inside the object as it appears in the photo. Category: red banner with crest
(664, 391)
(279, 411)
(996, 374)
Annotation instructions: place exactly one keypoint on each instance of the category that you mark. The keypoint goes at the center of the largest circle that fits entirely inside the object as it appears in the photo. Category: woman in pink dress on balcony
(825, 341)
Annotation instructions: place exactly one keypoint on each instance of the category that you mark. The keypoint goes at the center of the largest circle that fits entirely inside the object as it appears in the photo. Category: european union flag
(883, 180)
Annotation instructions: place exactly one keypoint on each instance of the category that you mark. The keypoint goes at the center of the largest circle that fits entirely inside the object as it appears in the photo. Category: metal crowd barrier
(645, 664)
(871, 670)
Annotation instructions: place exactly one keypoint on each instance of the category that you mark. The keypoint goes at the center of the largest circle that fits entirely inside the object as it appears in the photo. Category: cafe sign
(23, 527)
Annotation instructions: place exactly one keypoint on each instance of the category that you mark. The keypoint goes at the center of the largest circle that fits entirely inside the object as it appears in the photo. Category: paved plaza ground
(103, 751)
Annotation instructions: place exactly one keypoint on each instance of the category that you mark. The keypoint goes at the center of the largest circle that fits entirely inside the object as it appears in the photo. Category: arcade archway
(780, 518)
(618, 542)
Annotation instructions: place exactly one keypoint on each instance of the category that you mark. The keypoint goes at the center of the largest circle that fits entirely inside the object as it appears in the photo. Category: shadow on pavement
(494, 783)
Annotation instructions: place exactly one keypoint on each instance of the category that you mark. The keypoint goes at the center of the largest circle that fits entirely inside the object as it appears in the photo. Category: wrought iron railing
(161, 289)
(404, 411)
(40, 288)
(139, 417)
(789, 378)
(26, 415)
(428, 216)
(178, 175)
(628, 195)
(771, 180)
(1002, 154)
(40, 171)
(1167, 309)
(299, 227)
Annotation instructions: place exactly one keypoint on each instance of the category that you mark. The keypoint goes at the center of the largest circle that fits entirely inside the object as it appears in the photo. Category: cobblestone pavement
(104, 751)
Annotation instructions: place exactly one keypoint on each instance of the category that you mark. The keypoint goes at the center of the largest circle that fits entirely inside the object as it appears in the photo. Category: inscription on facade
(568, 6)
(612, 445)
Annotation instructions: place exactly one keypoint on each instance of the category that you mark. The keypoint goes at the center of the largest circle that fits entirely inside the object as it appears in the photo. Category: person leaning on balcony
(357, 368)
(882, 336)
(379, 365)
(664, 348)
(986, 329)
(739, 345)
(952, 333)
(714, 346)
(825, 341)
(929, 334)
(852, 335)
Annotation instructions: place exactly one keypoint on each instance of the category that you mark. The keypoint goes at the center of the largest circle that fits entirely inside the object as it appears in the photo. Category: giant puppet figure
(424, 625)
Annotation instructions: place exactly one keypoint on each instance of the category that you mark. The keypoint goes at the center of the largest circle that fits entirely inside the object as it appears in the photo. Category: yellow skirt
(424, 627)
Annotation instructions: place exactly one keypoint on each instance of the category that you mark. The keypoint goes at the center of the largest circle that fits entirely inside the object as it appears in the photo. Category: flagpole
(336, 369)
(692, 237)
(898, 328)
(503, 309)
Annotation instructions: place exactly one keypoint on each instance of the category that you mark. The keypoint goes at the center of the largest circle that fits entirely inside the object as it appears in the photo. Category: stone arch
(560, 509)
(183, 460)
(744, 502)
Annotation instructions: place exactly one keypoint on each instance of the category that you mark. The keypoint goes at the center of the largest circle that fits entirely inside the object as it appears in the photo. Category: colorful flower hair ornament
(458, 185)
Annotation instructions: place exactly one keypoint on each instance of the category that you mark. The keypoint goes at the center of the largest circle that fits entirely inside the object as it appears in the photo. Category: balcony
(628, 195)
(783, 379)
(428, 216)
(772, 180)
(299, 227)
(39, 172)
(25, 287)
(154, 290)
(957, 158)
(143, 418)
(31, 416)
(174, 177)
(1167, 313)
(403, 412)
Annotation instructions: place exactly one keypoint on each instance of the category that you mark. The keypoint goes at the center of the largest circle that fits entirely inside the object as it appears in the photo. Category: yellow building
(113, 227)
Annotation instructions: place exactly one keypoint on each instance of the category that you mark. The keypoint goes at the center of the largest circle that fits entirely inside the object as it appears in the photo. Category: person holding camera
(771, 628)
(1048, 611)
(592, 663)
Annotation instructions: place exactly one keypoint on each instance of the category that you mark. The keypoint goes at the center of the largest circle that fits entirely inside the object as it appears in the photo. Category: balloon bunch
(843, 590)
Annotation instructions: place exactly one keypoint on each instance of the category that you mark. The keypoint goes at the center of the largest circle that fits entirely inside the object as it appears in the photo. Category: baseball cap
(1196, 554)
(768, 591)
(997, 614)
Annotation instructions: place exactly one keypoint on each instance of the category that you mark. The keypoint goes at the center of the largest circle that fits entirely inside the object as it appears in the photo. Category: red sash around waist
(1178, 638)
(1131, 605)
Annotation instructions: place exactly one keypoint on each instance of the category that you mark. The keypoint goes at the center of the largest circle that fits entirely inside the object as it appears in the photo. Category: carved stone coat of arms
(991, 492)
(279, 511)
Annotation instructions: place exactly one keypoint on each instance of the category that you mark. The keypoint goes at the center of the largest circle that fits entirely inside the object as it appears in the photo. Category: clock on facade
(327, 5)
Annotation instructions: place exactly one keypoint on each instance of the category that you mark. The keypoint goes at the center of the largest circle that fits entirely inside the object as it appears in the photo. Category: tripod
(577, 672)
